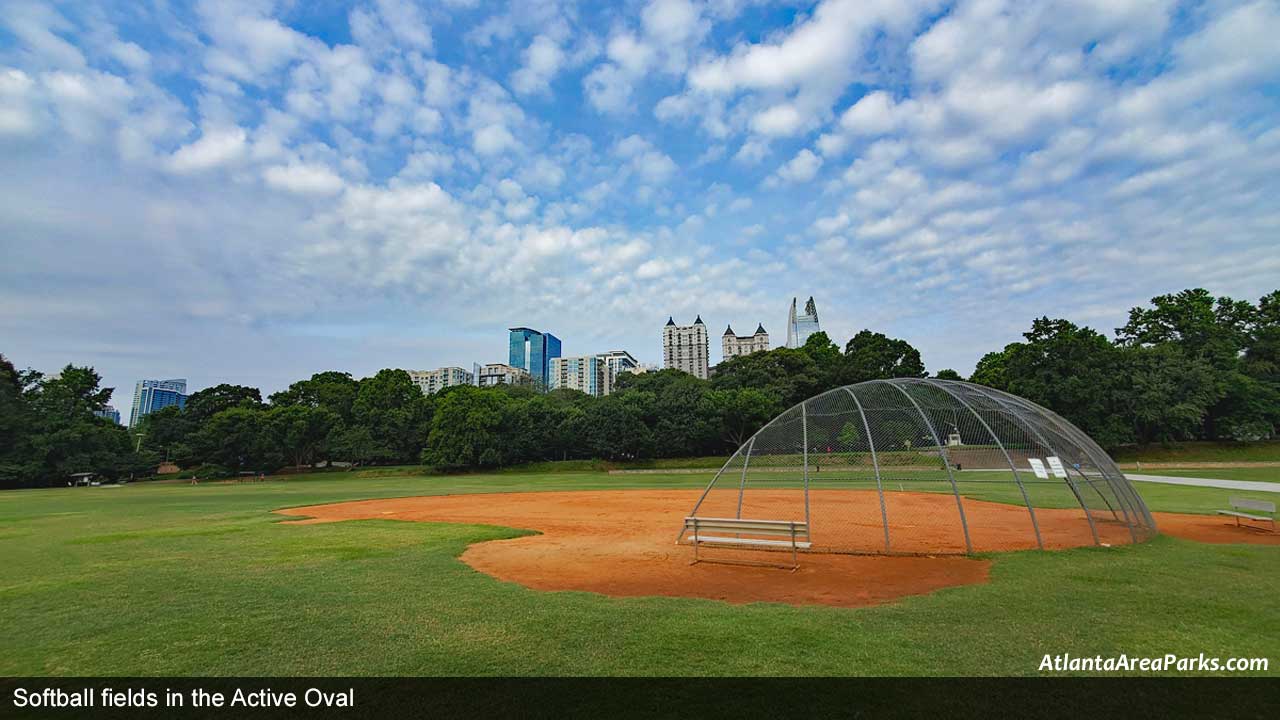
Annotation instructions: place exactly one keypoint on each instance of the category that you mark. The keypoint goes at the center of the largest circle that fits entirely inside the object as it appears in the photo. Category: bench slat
(747, 541)
(800, 528)
(777, 523)
(746, 532)
(1246, 515)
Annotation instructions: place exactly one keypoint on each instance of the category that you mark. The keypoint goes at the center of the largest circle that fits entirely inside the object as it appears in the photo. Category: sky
(251, 192)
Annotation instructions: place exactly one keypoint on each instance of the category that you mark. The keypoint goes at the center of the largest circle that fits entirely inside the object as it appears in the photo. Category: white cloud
(873, 114)
(17, 111)
(608, 88)
(542, 60)
(783, 119)
(493, 139)
(303, 179)
(214, 148)
(800, 169)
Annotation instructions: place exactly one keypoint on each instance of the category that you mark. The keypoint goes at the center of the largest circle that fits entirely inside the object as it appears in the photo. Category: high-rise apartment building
(732, 345)
(585, 373)
(532, 350)
(592, 374)
(502, 374)
(684, 347)
(151, 395)
(800, 327)
(109, 413)
(433, 381)
(616, 362)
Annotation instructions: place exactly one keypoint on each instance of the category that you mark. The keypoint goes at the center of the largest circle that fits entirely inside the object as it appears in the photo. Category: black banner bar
(563, 698)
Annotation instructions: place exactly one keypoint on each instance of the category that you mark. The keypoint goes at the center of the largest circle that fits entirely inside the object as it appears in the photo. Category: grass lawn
(1202, 451)
(173, 579)
(1262, 474)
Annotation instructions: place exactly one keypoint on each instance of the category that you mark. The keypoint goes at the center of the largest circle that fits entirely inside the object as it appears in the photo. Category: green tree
(1072, 370)
(875, 356)
(168, 432)
(395, 412)
(301, 433)
(786, 375)
(61, 435)
(206, 403)
(239, 439)
(332, 390)
(948, 374)
(737, 413)
(468, 429)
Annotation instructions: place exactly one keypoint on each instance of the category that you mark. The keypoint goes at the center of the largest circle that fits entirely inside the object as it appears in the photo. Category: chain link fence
(927, 466)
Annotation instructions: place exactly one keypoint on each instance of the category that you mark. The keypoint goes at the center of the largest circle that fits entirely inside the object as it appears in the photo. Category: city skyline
(317, 186)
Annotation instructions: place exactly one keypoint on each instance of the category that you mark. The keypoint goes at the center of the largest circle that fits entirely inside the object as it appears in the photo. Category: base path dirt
(622, 543)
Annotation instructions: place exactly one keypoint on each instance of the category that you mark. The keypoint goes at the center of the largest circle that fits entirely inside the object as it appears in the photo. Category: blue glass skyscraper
(151, 395)
(532, 350)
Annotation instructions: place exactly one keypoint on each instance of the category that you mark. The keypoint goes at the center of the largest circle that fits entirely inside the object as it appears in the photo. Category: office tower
(800, 327)
(532, 351)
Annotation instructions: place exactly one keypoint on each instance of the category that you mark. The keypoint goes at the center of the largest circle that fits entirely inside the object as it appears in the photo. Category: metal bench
(1239, 505)
(796, 535)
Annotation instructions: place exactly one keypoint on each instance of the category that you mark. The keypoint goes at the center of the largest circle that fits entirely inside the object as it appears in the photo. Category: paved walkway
(1209, 482)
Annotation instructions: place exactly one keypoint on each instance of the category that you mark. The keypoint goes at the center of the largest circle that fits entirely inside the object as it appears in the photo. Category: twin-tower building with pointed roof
(685, 347)
(732, 345)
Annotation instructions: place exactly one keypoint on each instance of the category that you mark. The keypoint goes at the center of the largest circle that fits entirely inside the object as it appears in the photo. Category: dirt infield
(622, 543)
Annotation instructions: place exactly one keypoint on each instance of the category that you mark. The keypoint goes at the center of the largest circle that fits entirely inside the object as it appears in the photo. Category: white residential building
(616, 362)
(584, 373)
(503, 374)
(433, 381)
(684, 347)
(592, 374)
(732, 345)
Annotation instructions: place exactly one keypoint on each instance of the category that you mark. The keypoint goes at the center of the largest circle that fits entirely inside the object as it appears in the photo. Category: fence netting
(928, 466)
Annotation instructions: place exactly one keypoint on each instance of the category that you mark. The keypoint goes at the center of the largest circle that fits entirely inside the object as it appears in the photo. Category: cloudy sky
(250, 192)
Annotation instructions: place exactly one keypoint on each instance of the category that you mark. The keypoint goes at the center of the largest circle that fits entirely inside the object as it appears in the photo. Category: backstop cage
(924, 466)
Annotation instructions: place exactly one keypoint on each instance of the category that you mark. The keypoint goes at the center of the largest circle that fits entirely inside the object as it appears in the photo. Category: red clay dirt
(622, 543)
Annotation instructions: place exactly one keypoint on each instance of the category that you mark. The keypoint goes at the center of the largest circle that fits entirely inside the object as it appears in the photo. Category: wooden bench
(796, 535)
(1239, 505)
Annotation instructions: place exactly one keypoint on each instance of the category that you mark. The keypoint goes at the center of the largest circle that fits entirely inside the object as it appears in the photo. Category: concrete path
(1209, 482)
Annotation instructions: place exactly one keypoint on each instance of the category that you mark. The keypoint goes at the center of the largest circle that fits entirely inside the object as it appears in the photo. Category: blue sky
(251, 192)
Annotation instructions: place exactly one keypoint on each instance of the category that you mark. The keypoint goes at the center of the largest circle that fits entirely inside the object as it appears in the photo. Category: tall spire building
(800, 327)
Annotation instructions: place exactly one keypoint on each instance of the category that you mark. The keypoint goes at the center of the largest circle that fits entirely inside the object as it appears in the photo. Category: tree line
(1189, 366)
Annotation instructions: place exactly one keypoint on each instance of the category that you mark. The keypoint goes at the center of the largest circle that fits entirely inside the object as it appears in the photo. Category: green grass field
(173, 579)
(1262, 474)
(1203, 451)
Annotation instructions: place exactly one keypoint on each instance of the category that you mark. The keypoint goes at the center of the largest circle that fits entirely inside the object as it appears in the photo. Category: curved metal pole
(742, 485)
(1034, 525)
(884, 516)
(946, 462)
(1121, 499)
(1016, 414)
(720, 472)
(804, 433)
